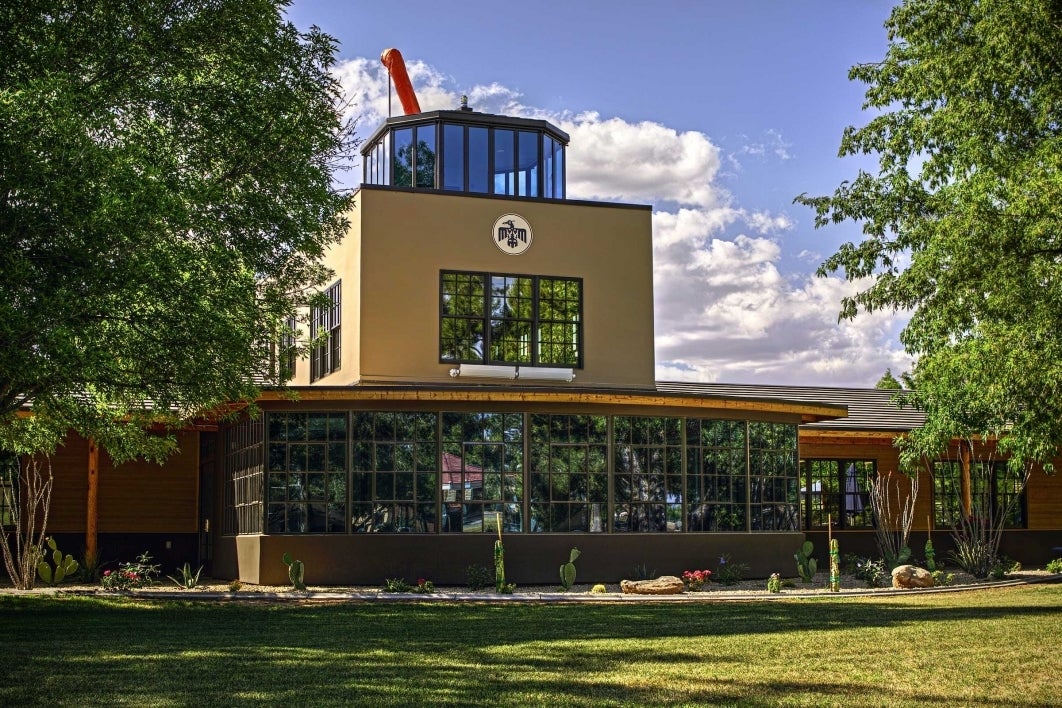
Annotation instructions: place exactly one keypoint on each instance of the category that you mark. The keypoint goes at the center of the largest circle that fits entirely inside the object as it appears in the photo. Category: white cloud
(724, 310)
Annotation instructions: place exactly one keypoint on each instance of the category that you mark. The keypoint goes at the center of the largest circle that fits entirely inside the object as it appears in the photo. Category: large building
(488, 363)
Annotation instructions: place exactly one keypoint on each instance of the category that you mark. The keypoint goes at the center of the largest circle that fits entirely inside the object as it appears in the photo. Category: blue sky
(716, 113)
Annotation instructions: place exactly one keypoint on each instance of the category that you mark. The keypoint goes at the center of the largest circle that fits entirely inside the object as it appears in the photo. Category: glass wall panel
(547, 166)
(478, 160)
(453, 156)
(558, 171)
(511, 319)
(504, 170)
(462, 327)
(306, 486)
(482, 472)
(569, 473)
(647, 451)
(425, 156)
(716, 472)
(403, 163)
(394, 472)
(527, 174)
(947, 507)
(774, 489)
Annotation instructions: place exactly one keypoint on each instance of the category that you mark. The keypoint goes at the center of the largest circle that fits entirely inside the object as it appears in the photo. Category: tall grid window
(569, 473)
(510, 319)
(482, 472)
(995, 490)
(647, 491)
(394, 472)
(774, 489)
(244, 466)
(307, 483)
(837, 490)
(326, 321)
(716, 475)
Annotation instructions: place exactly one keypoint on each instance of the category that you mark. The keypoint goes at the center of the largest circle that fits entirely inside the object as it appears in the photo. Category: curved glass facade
(467, 472)
(463, 151)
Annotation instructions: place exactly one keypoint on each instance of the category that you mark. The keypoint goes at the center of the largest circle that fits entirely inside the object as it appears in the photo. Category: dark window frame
(839, 493)
(326, 357)
(486, 318)
(947, 493)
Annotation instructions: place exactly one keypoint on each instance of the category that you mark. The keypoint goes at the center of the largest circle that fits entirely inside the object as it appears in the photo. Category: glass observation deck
(469, 152)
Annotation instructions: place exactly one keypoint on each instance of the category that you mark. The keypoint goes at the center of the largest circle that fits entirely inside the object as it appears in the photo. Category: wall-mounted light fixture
(536, 373)
(483, 371)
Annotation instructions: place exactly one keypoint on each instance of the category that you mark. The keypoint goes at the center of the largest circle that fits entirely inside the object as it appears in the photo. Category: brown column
(92, 514)
(965, 488)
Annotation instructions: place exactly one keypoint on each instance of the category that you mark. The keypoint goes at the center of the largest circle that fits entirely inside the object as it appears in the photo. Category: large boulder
(664, 585)
(911, 576)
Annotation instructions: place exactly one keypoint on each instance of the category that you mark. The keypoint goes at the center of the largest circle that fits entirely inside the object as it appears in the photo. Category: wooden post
(92, 509)
(965, 487)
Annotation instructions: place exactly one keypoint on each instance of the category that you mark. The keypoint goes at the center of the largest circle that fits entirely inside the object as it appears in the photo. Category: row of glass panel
(468, 158)
(465, 472)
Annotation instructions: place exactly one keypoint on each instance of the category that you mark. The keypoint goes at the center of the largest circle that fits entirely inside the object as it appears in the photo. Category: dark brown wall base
(529, 559)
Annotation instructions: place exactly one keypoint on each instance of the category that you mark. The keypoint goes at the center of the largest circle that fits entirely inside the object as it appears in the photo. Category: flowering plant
(424, 586)
(696, 579)
(137, 574)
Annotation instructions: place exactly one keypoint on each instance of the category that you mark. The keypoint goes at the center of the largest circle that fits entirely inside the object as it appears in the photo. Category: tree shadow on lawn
(454, 654)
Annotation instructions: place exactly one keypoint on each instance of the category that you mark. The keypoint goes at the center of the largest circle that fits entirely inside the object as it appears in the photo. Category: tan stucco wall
(399, 241)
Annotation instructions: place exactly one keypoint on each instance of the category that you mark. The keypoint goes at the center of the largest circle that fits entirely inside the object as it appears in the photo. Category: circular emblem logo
(511, 234)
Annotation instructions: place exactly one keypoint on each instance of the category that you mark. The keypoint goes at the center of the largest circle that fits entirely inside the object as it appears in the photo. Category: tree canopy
(888, 381)
(165, 195)
(962, 223)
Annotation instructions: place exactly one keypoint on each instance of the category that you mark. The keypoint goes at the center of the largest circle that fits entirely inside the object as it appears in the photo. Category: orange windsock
(396, 66)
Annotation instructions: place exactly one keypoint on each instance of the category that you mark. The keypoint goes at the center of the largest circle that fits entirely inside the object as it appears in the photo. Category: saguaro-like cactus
(62, 566)
(567, 571)
(499, 560)
(296, 572)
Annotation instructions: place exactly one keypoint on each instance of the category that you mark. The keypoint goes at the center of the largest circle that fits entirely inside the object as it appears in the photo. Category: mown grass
(990, 647)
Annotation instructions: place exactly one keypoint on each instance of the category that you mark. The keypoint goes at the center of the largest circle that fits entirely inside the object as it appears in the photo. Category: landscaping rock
(664, 585)
(910, 576)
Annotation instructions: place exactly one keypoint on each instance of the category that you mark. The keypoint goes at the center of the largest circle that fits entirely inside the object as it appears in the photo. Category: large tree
(962, 222)
(165, 194)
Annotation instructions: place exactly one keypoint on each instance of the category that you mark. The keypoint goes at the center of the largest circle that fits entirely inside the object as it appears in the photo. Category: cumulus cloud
(724, 310)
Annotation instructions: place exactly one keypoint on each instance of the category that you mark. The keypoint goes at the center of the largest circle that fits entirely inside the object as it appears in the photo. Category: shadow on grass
(91, 650)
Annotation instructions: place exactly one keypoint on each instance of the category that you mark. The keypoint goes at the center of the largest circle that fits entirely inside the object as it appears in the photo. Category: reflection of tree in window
(511, 317)
(647, 490)
(482, 477)
(307, 483)
(569, 473)
(716, 476)
(462, 328)
(774, 489)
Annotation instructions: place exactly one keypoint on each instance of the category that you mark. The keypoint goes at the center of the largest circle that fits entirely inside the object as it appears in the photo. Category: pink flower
(106, 573)
(421, 581)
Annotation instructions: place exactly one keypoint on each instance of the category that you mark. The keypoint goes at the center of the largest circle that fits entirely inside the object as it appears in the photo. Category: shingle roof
(869, 409)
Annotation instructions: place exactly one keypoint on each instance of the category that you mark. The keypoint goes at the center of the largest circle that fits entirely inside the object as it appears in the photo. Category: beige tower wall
(406, 238)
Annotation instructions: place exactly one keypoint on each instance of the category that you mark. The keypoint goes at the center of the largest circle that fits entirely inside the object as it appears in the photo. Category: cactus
(567, 571)
(835, 565)
(806, 563)
(499, 561)
(296, 572)
(931, 563)
(63, 566)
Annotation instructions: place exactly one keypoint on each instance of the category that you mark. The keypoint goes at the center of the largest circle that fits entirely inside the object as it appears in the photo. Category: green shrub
(1054, 566)
(479, 577)
(943, 579)
(235, 585)
(1002, 567)
(599, 588)
(728, 572)
(871, 571)
(188, 579)
(137, 574)
(396, 585)
(774, 583)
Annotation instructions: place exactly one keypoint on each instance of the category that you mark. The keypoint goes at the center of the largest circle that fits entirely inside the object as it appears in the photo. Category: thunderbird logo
(512, 234)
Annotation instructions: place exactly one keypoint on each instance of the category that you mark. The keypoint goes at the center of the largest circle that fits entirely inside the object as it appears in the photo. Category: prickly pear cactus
(807, 566)
(296, 572)
(567, 570)
(61, 567)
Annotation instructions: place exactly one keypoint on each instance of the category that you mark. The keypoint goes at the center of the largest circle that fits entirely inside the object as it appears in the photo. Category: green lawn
(989, 647)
